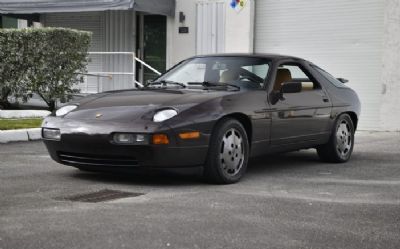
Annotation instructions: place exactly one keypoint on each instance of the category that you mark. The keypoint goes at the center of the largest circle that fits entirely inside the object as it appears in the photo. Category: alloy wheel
(343, 139)
(232, 152)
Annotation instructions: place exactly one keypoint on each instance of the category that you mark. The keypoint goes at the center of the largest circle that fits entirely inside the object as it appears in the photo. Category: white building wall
(390, 108)
(181, 46)
(238, 30)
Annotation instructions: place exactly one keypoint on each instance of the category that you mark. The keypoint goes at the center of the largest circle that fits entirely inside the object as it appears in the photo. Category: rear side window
(296, 72)
(329, 77)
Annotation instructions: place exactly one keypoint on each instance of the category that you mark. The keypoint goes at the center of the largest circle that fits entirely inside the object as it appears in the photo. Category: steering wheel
(254, 82)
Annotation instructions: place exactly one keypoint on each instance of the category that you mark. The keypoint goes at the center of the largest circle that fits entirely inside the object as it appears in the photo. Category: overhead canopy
(162, 7)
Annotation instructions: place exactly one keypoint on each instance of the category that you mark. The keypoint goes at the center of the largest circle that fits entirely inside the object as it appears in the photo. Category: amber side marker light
(189, 135)
(160, 139)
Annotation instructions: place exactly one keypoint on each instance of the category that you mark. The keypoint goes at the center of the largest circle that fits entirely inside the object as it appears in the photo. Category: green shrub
(46, 61)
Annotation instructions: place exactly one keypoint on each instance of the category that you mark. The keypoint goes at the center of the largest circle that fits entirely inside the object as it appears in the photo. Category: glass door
(151, 45)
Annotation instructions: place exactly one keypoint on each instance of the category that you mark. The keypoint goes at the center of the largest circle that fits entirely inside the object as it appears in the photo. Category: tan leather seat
(283, 75)
(307, 86)
(229, 75)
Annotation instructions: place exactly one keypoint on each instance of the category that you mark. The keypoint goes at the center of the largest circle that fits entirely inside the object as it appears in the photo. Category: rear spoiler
(344, 81)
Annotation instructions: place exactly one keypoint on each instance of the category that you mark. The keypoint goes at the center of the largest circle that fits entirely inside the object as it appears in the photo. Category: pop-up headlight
(65, 110)
(165, 114)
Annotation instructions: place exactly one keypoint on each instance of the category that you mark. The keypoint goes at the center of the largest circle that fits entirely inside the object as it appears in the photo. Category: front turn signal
(189, 135)
(160, 139)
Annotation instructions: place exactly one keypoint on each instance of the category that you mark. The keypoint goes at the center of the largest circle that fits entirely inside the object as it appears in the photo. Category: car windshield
(233, 72)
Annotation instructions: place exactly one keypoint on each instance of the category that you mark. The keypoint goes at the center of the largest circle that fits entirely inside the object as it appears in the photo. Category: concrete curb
(23, 113)
(20, 135)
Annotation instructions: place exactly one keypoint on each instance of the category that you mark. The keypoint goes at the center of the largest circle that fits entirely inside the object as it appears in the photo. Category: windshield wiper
(208, 84)
(164, 83)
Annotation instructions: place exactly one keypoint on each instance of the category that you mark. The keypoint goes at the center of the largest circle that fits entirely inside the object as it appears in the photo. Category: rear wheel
(228, 153)
(341, 143)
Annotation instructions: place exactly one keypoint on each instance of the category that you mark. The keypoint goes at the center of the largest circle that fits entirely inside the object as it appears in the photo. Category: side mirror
(286, 87)
(291, 87)
(343, 80)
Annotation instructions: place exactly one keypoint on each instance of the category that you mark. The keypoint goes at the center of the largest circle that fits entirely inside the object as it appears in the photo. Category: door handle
(324, 97)
(265, 110)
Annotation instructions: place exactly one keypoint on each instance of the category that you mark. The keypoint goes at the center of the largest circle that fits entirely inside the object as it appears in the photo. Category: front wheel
(228, 153)
(341, 143)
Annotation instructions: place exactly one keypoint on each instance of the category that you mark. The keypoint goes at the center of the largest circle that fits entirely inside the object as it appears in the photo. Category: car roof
(258, 55)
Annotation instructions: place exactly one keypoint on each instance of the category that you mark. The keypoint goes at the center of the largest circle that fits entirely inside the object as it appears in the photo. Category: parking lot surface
(285, 201)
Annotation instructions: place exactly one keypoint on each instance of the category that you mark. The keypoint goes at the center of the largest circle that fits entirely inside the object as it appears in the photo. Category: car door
(302, 117)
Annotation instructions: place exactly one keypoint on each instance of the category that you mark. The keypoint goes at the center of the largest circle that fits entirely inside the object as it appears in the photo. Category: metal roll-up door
(344, 37)
(87, 21)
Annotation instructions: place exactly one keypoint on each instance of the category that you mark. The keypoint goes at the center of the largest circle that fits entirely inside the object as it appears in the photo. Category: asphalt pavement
(285, 201)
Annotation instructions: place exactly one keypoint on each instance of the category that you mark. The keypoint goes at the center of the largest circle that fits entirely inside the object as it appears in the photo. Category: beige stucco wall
(181, 46)
(239, 28)
(390, 106)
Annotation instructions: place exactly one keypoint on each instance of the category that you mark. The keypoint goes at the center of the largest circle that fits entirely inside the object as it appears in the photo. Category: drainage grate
(100, 196)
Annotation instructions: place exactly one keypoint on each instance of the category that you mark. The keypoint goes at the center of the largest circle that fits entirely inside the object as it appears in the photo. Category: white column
(390, 107)
(239, 28)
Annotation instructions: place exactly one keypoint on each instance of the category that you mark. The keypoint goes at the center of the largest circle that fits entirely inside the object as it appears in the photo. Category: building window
(19, 21)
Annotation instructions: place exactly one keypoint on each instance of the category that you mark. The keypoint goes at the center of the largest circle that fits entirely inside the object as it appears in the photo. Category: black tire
(229, 139)
(341, 142)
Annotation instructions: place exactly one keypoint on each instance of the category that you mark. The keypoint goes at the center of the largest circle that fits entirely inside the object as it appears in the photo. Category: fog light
(129, 138)
(123, 138)
(52, 134)
(140, 138)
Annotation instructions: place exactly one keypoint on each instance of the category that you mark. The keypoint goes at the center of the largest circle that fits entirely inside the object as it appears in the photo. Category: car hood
(134, 104)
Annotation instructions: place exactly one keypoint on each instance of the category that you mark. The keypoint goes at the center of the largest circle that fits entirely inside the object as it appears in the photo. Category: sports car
(212, 111)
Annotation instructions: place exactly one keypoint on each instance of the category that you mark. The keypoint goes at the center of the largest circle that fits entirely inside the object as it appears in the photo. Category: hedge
(47, 61)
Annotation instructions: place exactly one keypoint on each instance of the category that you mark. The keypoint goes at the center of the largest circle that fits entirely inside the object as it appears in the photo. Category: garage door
(344, 37)
(88, 21)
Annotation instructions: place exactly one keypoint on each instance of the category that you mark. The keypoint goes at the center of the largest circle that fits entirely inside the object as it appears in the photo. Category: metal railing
(110, 75)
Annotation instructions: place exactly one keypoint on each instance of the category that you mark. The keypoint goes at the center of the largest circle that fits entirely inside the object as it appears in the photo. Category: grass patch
(13, 124)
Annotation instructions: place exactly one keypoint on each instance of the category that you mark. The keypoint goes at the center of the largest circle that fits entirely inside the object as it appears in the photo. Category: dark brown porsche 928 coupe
(211, 111)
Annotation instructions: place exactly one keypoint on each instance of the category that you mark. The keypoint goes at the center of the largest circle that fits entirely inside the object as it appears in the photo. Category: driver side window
(259, 70)
(293, 73)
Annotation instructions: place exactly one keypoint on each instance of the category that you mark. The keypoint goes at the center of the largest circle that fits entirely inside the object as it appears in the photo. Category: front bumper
(88, 144)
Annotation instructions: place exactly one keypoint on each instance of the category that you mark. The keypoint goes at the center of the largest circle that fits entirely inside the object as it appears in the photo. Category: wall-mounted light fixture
(182, 17)
(182, 29)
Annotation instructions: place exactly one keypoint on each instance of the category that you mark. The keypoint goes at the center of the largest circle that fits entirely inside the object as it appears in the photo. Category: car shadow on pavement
(276, 163)
(146, 177)
(268, 165)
